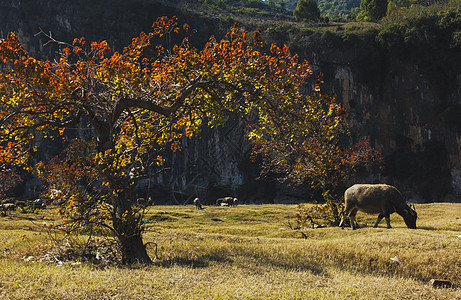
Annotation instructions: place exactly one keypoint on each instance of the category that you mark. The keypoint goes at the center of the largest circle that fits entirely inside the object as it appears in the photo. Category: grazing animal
(5, 207)
(9, 206)
(20, 203)
(379, 199)
(235, 202)
(225, 201)
(197, 203)
(39, 204)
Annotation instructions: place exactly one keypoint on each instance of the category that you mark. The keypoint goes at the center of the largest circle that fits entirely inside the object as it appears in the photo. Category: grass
(246, 252)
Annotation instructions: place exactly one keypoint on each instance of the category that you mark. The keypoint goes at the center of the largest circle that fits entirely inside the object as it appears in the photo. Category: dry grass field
(246, 252)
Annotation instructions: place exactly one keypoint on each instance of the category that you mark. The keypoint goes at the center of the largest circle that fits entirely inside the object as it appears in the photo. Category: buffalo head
(409, 216)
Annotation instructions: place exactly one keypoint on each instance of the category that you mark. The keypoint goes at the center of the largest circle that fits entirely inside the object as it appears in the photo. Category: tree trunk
(133, 250)
(127, 226)
(126, 220)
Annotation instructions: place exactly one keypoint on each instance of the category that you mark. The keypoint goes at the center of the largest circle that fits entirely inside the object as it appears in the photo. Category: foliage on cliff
(306, 10)
(372, 10)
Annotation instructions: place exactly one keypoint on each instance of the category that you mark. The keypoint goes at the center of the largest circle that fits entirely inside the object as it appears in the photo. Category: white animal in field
(227, 201)
(197, 203)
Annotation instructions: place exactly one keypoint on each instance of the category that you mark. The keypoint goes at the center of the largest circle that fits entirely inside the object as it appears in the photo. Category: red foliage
(152, 94)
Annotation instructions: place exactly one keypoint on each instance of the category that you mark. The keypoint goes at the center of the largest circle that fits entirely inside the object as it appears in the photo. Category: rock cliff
(405, 100)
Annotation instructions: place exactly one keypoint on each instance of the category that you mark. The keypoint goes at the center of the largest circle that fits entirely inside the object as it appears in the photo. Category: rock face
(411, 127)
(116, 21)
(405, 104)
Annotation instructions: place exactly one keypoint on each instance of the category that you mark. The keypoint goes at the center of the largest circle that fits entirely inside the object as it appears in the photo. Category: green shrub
(372, 10)
(307, 10)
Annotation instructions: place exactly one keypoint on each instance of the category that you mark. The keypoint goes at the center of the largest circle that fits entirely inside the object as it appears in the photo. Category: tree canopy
(307, 10)
(141, 101)
(372, 10)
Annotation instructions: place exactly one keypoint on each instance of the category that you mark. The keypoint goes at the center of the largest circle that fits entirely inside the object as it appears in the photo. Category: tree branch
(127, 102)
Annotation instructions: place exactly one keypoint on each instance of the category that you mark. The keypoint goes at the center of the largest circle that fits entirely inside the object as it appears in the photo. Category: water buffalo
(39, 204)
(226, 201)
(6, 207)
(197, 203)
(379, 199)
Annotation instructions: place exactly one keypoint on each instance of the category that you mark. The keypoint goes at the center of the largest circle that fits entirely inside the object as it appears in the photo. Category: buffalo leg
(352, 219)
(388, 220)
(380, 217)
(353, 222)
(341, 224)
(346, 214)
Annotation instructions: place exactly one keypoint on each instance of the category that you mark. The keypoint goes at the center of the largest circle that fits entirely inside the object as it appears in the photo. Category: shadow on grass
(205, 261)
(196, 263)
(426, 228)
(184, 262)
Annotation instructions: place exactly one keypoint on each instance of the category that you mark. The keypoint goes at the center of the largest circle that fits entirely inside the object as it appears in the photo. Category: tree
(372, 10)
(139, 103)
(307, 10)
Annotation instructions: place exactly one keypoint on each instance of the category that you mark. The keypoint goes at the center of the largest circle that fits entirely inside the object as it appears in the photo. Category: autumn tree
(139, 102)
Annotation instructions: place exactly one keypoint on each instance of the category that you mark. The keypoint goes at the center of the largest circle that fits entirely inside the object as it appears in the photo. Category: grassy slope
(247, 252)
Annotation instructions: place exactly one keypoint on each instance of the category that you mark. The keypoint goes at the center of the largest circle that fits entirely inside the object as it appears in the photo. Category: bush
(307, 10)
(321, 215)
(372, 10)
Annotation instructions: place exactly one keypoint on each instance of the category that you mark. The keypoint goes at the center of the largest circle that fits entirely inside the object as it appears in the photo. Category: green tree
(372, 10)
(307, 10)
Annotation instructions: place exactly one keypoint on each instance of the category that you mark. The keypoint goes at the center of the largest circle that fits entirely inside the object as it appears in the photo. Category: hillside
(275, 10)
(339, 9)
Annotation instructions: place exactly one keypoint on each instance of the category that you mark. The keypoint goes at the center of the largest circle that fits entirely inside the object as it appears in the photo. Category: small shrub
(72, 243)
(27, 207)
(328, 213)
